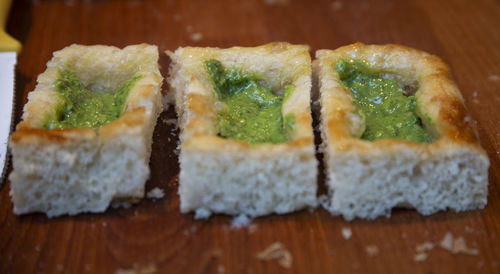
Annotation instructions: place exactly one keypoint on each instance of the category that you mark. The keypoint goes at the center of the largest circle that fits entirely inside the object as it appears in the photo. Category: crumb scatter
(276, 2)
(456, 245)
(346, 233)
(276, 251)
(494, 78)
(137, 269)
(252, 228)
(425, 246)
(420, 257)
(372, 250)
(155, 193)
(337, 5)
(197, 36)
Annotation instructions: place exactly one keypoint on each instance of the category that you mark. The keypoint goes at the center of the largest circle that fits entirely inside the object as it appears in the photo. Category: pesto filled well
(83, 108)
(251, 112)
(387, 112)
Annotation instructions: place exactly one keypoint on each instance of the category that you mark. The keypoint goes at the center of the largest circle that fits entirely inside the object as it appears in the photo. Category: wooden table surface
(153, 237)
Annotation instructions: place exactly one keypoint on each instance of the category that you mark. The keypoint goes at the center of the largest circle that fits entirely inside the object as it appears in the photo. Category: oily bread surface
(276, 63)
(439, 101)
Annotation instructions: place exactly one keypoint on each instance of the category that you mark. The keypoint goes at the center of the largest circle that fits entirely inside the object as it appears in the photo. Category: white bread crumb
(276, 2)
(346, 233)
(171, 121)
(456, 245)
(494, 78)
(155, 193)
(426, 246)
(252, 228)
(150, 269)
(337, 5)
(421, 249)
(419, 257)
(197, 36)
(372, 250)
(276, 251)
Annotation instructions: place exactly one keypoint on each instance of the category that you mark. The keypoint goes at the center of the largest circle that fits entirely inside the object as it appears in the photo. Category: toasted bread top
(276, 63)
(100, 68)
(439, 102)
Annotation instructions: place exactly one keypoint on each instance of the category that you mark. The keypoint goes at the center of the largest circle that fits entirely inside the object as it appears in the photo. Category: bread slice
(367, 179)
(220, 175)
(69, 171)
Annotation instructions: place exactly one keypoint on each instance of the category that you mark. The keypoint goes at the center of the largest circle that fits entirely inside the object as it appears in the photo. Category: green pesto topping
(82, 108)
(387, 112)
(251, 112)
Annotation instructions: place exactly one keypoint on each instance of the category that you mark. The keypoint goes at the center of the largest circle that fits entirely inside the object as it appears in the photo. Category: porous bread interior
(228, 176)
(83, 170)
(369, 185)
(368, 179)
(223, 179)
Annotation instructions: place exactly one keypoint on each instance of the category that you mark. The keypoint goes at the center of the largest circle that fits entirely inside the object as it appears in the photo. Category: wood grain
(153, 236)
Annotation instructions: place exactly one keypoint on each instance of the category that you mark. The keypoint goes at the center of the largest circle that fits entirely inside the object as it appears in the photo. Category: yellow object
(7, 43)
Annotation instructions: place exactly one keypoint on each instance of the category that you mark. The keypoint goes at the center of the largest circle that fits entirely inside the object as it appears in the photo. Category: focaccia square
(73, 170)
(366, 179)
(225, 175)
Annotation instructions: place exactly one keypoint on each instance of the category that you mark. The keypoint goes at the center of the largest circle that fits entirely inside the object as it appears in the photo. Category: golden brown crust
(28, 135)
(439, 102)
(203, 142)
(44, 99)
(130, 119)
(199, 104)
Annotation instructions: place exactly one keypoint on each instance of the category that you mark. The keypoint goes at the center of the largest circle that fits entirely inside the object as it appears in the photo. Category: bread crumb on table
(171, 121)
(276, 2)
(155, 193)
(337, 5)
(221, 269)
(468, 229)
(456, 245)
(372, 250)
(346, 233)
(494, 78)
(421, 249)
(149, 269)
(276, 251)
(425, 246)
(419, 257)
(252, 228)
(197, 36)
